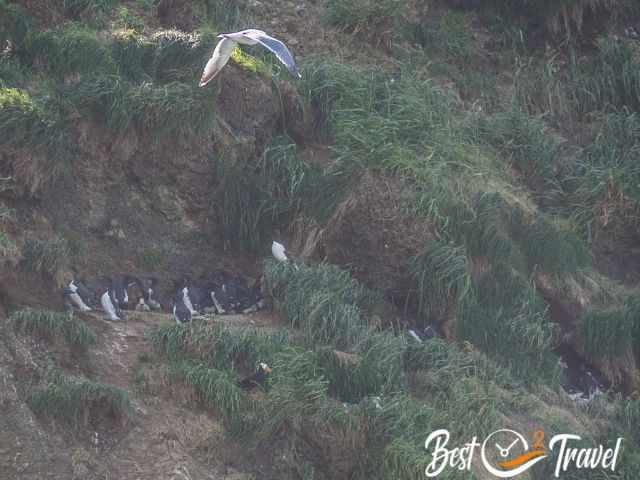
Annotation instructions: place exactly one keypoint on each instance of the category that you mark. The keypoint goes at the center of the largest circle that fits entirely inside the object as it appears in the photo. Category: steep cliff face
(412, 155)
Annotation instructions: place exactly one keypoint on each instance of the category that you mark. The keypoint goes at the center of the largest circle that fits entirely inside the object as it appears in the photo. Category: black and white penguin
(120, 285)
(424, 334)
(110, 305)
(181, 312)
(73, 298)
(257, 378)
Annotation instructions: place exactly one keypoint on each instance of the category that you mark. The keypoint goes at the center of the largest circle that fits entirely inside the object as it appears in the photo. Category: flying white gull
(228, 43)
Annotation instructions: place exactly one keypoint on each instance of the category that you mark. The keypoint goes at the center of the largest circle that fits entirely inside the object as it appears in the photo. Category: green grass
(218, 390)
(171, 111)
(447, 35)
(37, 125)
(551, 244)
(218, 346)
(360, 16)
(523, 141)
(80, 402)
(254, 200)
(602, 187)
(610, 333)
(323, 301)
(226, 15)
(442, 277)
(47, 256)
(74, 49)
(15, 24)
(608, 79)
(48, 324)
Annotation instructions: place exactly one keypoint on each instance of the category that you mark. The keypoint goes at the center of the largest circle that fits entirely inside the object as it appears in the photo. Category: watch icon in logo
(516, 457)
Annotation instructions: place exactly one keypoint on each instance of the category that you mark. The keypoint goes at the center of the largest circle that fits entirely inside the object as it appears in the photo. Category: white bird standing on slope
(279, 252)
(228, 43)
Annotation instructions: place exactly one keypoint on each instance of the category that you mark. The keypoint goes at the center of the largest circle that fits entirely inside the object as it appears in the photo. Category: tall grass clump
(133, 54)
(448, 34)
(523, 141)
(48, 324)
(218, 346)
(609, 333)
(218, 390)
(603, 186)
(363, 16)
(175, 108)
(15, 25)
(551, 245)
(375, 368)
(225, 14)
(47, 256)
(324, 301)
(72, 50)
(178, 55)
(608, 79)
(253, 200)
(34, 131)
(80, 402)
(442, 277)
(503, 301)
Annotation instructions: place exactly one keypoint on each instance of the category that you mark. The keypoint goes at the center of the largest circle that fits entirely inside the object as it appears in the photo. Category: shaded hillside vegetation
(484, 182)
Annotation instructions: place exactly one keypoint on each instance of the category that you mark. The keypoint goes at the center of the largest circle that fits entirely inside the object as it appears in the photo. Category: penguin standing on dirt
(72, 296)
(110, 305)
(181, 312)
(119, 285)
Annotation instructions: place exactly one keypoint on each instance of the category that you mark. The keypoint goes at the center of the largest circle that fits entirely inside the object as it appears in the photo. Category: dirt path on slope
(170, 436)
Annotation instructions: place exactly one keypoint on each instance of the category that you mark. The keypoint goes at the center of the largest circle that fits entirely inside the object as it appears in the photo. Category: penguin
(257, 378)
(181, 312)
(186, 300)
(110, 305)
(119, 285)
(71, 293)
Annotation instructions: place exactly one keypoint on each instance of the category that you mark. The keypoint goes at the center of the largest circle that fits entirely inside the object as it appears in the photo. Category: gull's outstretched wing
(277, 47)
(219, 59)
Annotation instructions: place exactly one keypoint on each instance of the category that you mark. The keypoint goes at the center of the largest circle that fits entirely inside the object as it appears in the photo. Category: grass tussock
(253, 201)
(80, 402)
(218, 346)
(218, 390)
(48, 324)
(609, 79)
(612, 332)
(323, 301)
(73, 50)
(48, 256)
(442, 276)
(603, 185)
(364, 16)
(35, 133)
